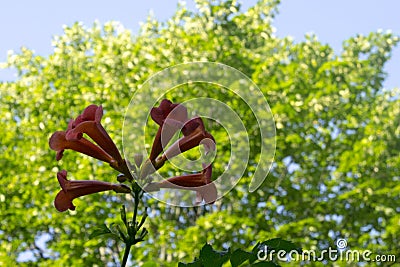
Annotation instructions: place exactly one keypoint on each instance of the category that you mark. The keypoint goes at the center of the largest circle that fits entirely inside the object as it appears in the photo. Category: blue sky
(34, 23)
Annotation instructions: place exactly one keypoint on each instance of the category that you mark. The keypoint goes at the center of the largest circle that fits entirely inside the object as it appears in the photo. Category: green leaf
(213, 258)
(117, 232)
(280, 244)
(239, 256)
(123, 215)
(196, 263)
(101, 230)
(254, 251)
(265, 264)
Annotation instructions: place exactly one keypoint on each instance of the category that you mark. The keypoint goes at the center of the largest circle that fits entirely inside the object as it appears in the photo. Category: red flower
(89, 123)
(59, 143)
(73, 189)
(199, 182)
(194, 134)
(171, 118)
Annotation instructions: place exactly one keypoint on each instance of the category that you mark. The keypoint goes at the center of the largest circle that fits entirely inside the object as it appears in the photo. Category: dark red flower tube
(194, 135)
(199, 182)
(89, 123)
(73, 189)
(171, 118)
(59, 143)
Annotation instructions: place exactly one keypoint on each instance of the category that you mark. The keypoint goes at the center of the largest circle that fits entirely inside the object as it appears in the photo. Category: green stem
(134, 226)
(126, 254)
(137, 198)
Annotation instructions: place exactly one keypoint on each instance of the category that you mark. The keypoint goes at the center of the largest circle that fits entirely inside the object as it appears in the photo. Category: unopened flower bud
(121, 188)
(121, 178)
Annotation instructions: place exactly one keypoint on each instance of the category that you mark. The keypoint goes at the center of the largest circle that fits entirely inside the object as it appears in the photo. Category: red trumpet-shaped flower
(170, 117)
(194, 134)
(59, 143)
(89, 123)
(73, 189)
(199, 182)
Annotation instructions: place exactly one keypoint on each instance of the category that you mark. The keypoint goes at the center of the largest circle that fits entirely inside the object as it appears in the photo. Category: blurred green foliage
(337, 163)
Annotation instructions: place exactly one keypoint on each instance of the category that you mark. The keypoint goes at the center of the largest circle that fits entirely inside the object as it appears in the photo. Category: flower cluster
(170, 117)
(103, 149)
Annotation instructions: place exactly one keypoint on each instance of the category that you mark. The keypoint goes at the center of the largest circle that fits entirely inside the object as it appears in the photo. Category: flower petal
(192, 125)
(171, 117)
(166, 107)
(59, 143)
(90, 113)
(208, 193)
(63, 202)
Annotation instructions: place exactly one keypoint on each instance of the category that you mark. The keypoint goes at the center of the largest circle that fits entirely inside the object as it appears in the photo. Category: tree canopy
(336, 167)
